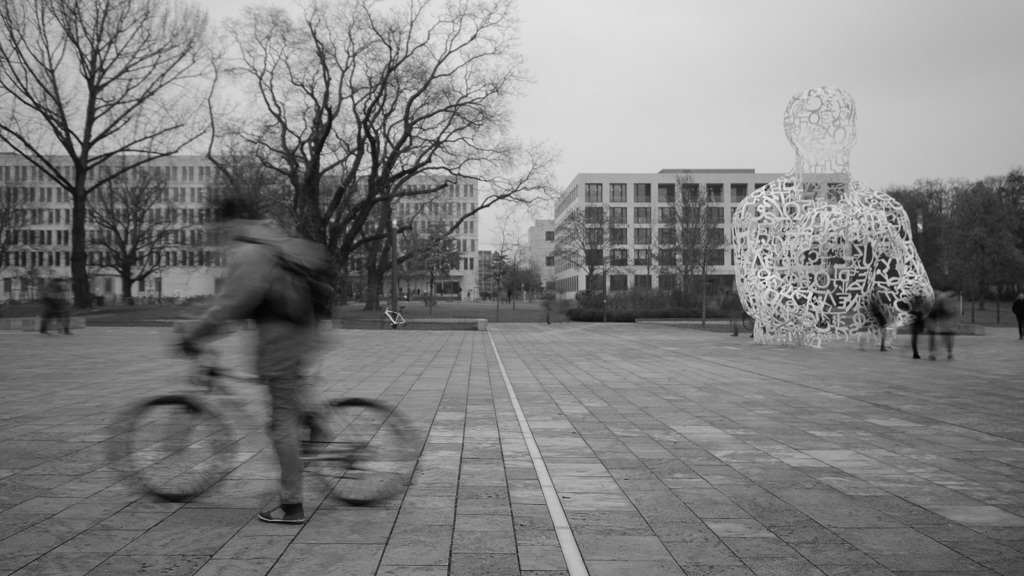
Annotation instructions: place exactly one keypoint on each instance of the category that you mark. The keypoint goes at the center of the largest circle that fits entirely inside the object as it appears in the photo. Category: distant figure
(1018, 311)
(876, 311)
(54, 307)
(942, 320)
(918, 310)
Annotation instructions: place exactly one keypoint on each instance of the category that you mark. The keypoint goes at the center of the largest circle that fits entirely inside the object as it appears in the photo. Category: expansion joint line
(566, 541)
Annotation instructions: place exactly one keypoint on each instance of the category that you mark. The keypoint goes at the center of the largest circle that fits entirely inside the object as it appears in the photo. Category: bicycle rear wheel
(367, 456)
(748, 322)
(173, 446)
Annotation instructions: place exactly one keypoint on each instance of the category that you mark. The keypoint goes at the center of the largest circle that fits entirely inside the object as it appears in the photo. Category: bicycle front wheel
(172, 446)
(367, 456)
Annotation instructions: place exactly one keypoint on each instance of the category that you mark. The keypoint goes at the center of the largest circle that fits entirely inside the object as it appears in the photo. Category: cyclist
(258, 288)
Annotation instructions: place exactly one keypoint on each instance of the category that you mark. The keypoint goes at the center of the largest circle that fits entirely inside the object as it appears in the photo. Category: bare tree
(13, 218)
(697, 236)
(582, 240)
(137, 226)
(93, 80)
(374, 97)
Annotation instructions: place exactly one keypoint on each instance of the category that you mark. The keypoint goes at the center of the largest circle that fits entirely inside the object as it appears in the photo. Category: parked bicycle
(393, 320)
(177, 445)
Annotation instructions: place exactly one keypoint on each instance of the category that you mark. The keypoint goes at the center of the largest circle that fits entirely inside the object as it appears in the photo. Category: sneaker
(917, 356)
(283, 514)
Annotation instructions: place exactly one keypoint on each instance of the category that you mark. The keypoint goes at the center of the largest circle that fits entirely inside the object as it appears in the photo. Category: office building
(637, 210)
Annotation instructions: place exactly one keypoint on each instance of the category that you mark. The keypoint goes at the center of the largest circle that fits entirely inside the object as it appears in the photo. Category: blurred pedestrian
(1018, 311)
(259, 287)
(55, 307)
(919, 311)
(876, 311)
(942, 321)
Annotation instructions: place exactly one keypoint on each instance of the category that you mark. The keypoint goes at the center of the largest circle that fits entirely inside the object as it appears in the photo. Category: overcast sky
(641, 85)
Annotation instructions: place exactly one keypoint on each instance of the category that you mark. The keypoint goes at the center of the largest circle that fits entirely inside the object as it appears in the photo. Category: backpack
(300, 290)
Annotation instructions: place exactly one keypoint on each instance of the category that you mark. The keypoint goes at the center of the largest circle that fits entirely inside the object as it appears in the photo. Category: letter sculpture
(814, 246)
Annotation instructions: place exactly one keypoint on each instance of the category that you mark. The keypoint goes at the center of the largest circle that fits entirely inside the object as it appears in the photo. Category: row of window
(646, 257)
(666, 192)
(643, 215)
(29, 173)
(616, 236)
(620, 282)
(34, 259)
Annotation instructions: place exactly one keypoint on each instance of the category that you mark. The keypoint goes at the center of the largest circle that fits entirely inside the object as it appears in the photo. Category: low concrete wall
(32, 324)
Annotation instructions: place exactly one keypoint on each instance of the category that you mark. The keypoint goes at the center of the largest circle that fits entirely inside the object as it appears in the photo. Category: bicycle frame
(395, 318)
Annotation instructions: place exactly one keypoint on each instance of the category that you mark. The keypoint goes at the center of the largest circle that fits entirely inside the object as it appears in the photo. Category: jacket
(282, 345)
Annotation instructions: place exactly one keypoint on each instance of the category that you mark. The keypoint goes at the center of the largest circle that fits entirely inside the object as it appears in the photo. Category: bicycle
(393, 319)
(177, 445)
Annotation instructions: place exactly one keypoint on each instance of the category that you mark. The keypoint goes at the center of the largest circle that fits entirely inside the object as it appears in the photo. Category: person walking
(942, 321)
(876, 309)
(258, 287)
(55, 307)
(919, 311)
(1018, 311)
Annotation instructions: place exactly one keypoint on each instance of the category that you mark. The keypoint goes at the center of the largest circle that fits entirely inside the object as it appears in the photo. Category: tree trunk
(374, 284)
(430, 298)
(79, 274)
(126, 285)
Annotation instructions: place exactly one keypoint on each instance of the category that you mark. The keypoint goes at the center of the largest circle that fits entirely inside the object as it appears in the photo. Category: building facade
(540, 251)
(39, 247)
(194, 265)
(638, 208)
(439, 211)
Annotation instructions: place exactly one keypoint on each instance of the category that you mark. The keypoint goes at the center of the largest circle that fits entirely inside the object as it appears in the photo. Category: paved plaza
(669, 451)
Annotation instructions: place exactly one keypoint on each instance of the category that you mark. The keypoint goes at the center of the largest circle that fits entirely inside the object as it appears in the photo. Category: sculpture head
(820, 123)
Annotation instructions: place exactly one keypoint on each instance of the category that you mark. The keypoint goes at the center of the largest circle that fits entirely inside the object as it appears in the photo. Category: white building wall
(569, 280)
(188, 177)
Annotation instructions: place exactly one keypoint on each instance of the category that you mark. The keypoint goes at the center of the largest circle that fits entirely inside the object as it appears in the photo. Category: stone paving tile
(733, 458)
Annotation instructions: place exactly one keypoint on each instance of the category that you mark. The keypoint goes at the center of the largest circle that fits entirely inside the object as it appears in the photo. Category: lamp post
(394, 264)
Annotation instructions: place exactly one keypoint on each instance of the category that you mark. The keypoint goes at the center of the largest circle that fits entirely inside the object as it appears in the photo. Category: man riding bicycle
(257, 287)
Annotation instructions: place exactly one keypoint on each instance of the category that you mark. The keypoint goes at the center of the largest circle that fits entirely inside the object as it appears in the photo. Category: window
(717, 236)
(617, 215)
(737, 192)
(666, 236)
(642, 215)
(642, 236)
(716, 214)
(667, 282)
(690, 192)
(667, 215)
(593, 215)
(549, 260)
(618, 236)
(642, 257)
(666, 193)
(642, 281)
(619, 257)
(618, 192)
(714, 192)
(618, 282)
(716, 258)
(641, 193)
(595, 236)
(666, 257)
(595, 283)
(760, 185)
(593, 193)
(549, 236)
(594, 257)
